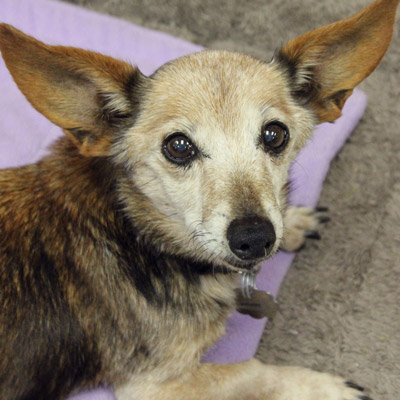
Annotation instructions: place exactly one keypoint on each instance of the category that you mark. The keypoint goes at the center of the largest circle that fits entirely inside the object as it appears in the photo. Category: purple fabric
(25, 134)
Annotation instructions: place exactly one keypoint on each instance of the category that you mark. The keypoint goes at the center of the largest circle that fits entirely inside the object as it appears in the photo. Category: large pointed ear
(89, 95)
(326, 64)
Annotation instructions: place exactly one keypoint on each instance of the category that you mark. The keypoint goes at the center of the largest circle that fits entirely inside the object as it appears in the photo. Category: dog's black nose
(251, 238)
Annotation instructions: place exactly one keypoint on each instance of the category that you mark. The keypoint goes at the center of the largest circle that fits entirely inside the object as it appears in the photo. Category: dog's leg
(301, 223)
(250, 380)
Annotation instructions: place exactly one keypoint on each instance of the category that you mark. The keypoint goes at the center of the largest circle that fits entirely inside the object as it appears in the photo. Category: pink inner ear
(25, 134)
(24, 130)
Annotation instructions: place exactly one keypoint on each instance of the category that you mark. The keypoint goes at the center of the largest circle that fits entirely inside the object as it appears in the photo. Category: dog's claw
(312, 235)
(321, 209)
(354, 386)
(302, 223)
(301, 248)
(364, 398)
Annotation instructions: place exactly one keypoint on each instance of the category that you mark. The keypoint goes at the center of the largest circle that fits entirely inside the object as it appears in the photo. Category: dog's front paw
(305, 384)
(300, 224)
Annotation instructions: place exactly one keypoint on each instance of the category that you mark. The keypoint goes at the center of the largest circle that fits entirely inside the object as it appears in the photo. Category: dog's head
(204, 144)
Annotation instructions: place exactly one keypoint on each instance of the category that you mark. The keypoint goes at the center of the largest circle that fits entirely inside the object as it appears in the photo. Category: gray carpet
(340, 303)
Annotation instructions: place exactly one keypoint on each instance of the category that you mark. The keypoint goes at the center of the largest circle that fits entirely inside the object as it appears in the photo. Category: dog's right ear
(89, 95)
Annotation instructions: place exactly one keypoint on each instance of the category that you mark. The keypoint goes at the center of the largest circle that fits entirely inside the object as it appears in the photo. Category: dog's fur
(112, 256)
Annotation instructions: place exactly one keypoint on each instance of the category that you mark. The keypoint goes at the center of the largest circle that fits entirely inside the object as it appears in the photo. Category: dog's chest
(170, 338)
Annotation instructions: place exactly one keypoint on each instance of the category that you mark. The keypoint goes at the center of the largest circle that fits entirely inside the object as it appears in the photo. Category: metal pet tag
(251, 301)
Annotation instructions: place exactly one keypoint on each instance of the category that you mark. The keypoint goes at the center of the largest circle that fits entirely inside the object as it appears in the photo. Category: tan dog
(118, 250)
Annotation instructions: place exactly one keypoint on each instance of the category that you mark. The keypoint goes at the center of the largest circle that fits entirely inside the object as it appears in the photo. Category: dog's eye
(178, 148)
(275, 136)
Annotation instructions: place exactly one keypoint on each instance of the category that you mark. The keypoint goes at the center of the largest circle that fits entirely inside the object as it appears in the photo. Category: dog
(120, 251)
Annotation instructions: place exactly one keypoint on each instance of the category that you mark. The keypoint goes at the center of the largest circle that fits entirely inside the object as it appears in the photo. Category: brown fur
(111, 255)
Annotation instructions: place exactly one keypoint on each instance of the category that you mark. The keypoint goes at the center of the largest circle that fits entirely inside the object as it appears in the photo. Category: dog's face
(204, 145)
(210, 152)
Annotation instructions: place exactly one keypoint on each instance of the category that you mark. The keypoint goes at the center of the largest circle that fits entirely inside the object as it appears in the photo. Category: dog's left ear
(326, 64)
(91, 96)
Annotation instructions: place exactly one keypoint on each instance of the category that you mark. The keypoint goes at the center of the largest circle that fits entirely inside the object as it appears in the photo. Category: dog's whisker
(295, 161)
(144, 184)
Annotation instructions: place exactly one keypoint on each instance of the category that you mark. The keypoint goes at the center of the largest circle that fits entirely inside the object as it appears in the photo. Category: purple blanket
(25, 134)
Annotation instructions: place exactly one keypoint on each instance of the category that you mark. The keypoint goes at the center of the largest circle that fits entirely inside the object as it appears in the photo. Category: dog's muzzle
(251, 238)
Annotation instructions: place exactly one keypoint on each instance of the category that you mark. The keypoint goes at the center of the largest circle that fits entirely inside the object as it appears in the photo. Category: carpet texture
(340, 303)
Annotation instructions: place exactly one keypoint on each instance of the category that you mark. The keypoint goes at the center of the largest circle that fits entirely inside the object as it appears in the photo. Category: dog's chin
(238, 265)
